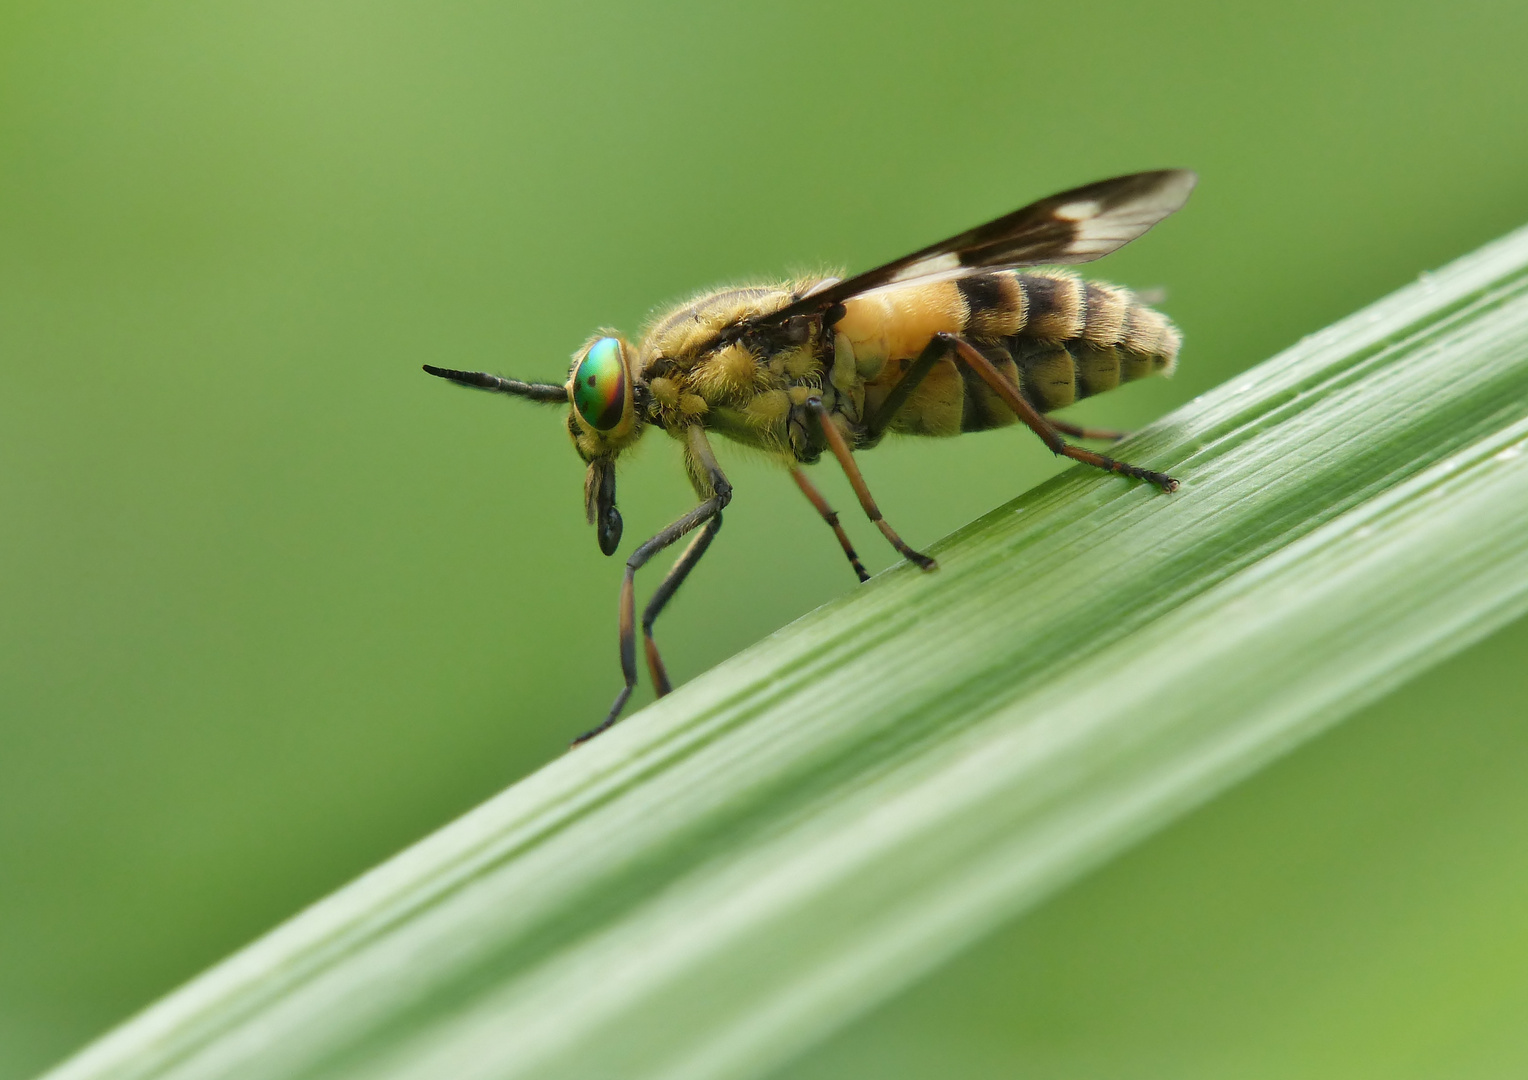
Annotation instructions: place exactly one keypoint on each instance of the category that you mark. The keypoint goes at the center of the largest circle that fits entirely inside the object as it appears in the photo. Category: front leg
(708, 513)
(665, 592)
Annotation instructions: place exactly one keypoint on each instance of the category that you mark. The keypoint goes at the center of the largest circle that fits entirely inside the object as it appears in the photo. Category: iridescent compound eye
(599, 385)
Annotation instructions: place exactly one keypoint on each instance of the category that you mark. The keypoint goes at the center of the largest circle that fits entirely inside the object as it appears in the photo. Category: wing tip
(1179, 183)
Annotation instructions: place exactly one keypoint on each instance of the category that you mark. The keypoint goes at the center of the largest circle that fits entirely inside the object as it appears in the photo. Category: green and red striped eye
(599, 385)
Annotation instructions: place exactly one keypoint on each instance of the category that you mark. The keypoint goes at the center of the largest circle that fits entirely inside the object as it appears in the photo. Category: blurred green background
(274, 603)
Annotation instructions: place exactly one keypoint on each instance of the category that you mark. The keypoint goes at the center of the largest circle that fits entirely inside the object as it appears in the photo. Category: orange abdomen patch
(896, 324)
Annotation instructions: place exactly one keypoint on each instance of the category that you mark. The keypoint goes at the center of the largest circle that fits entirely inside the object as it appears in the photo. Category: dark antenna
(536, 391)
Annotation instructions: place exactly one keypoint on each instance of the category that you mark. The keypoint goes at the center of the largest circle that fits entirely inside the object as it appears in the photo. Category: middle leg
(809, 489)
(840, 448)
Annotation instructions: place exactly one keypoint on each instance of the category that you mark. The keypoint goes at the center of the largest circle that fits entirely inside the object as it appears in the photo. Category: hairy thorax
(751, 388)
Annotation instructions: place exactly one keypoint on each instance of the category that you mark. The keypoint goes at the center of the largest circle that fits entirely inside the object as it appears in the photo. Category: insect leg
(810, 491)
(1039, 424)
(1078, 432)
(699, 453)
(840, 448)
(705, 512)
(665, 592)
(932, 353)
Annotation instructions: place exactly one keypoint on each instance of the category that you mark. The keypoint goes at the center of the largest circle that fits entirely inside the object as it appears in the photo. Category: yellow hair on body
(731, 375)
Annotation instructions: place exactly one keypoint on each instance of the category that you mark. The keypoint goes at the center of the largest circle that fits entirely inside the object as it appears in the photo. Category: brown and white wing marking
(1075, 226)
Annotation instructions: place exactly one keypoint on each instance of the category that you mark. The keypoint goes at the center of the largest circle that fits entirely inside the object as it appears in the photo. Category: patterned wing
(1076, 226)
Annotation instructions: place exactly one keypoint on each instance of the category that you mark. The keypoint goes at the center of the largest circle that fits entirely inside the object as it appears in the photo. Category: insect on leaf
(769, 852)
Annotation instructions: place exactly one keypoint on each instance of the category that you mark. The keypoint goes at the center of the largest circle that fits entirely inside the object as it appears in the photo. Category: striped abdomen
(1060, 337)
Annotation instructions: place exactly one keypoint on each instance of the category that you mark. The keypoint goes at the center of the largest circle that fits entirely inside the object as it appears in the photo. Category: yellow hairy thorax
(731, 390)
(679, 332)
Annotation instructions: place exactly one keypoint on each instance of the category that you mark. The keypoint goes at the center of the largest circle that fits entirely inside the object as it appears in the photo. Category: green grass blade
(755, 860)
